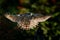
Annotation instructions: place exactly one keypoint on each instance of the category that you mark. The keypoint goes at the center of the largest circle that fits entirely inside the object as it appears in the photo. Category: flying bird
(27, 21)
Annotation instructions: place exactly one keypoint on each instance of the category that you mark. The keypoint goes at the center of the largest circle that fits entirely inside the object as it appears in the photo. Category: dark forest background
(48, 30)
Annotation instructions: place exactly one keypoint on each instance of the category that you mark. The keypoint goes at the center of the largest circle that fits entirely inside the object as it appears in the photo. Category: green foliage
(50, 28)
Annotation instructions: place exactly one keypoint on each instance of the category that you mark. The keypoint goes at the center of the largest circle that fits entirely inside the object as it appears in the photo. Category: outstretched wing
(37, 18)
(40, 17)
(13, 18)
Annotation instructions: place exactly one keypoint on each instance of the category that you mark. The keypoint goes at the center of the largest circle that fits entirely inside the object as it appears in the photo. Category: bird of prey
(27, 21)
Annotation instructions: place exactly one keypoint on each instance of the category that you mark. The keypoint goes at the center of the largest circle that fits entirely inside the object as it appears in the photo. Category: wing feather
(42, 19)
(37, 18)
(13, 18)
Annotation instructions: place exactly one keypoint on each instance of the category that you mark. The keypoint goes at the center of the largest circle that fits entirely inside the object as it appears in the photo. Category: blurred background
(48, 30)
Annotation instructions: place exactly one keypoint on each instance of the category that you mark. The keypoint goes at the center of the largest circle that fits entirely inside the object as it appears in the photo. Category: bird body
(27, 21)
